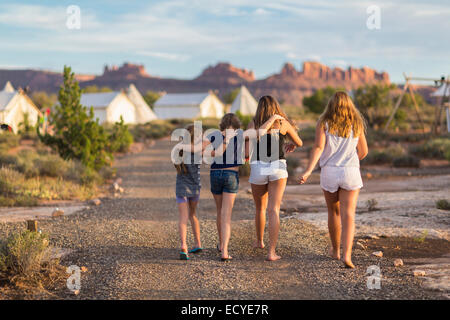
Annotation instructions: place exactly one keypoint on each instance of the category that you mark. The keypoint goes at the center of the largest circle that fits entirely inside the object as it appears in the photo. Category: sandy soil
(130, 247)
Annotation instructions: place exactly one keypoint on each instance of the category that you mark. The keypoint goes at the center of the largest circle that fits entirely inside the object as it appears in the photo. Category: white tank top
(339, 151)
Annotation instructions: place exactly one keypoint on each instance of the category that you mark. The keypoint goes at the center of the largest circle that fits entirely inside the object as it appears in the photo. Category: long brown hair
(181, 168)
(267, 107)
(341, 116)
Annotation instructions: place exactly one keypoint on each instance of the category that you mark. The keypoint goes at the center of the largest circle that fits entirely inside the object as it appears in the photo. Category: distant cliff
(289, 86)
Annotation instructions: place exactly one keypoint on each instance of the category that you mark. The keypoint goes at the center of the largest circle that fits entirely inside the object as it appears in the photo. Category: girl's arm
(362, 147)
(290, 130)
(251, 125)
(316, 152)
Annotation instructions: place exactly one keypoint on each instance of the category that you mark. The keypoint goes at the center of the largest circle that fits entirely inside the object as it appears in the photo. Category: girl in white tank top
(340, 145)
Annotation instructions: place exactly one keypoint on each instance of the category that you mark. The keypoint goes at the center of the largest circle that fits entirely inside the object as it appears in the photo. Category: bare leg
(218, 200)
(348, 201)
(276, 190)
(227, 208)
(260, 197)
(194, 223)
(334, 223)
(182, 224)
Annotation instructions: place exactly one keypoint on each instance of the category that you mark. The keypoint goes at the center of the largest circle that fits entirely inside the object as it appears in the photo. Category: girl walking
(187, 196)
(268, 175)
(339, 146)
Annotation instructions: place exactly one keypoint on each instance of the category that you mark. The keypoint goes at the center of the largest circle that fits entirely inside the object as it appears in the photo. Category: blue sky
(175, 38)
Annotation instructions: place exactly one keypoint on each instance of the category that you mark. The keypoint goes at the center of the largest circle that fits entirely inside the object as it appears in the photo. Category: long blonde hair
(267, 107)
(341, 116)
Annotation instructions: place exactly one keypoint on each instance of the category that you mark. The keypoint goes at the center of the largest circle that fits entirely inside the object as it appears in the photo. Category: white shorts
(263, 172)
(333, 178)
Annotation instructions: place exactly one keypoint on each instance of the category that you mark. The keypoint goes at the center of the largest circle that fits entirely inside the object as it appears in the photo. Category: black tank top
(267, 140)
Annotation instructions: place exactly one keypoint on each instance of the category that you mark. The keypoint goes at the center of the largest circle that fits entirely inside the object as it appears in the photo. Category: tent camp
(189, 105)
(440, 92)
(143, 111)
(109, 106)
(14, 105)
(244, 103)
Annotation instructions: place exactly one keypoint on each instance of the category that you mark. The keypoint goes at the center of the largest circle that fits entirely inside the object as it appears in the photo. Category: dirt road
(130, 248)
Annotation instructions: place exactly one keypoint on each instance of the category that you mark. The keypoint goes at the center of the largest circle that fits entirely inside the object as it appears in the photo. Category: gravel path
(130, 248)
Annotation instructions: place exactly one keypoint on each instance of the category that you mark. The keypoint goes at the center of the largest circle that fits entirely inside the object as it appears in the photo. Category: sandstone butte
(289, 85)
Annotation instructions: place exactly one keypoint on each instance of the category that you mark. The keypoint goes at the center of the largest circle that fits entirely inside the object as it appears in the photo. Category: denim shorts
(224, 181)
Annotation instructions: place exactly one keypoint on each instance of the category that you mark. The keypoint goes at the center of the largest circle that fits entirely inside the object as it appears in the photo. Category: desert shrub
(9, 140)
(443, 204)
(210, 123)
(245, 120)
(120, 138)
(317, 102)
(292, 164)
(384, 156)
(308, 134)
(51, 165)
(8, 159)
(406, 161)
(244, 170)
(24, 253)
(152, 130)
(436, 148)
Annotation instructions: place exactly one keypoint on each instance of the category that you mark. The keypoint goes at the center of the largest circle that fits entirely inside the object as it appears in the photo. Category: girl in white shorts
(340, 145)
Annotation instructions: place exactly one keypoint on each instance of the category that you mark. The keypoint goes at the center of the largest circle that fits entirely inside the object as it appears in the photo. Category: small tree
(316, 103)
(150, 97)
(120, 137)
(76, 134)
(229, 97)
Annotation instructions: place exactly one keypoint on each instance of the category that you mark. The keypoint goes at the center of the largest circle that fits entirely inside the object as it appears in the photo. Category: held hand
(277, 117)
(304, 177)
(289, 147)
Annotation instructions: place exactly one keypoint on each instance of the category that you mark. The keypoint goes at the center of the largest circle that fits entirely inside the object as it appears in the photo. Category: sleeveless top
(339, 151)
(237, 158)
(188, 184)
(266, 140)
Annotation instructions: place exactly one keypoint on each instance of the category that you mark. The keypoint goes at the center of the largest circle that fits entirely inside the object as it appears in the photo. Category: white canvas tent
(440, 92)
(144, 113)
(109, 106)
(13, 107)
(244, 103)
(189, 106)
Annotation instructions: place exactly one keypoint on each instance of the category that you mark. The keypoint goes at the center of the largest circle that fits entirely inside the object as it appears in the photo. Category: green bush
(384, 156)
(51, 165)
(317, 102)
(245, 120)
(406, 161)
(443, 204)
(9, 140)
(24, 253)
(120, 138)
(152, 130)
(436, 149)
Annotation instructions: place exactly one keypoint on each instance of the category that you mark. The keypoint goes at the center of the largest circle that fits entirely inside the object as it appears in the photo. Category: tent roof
(244, 103)
(98, 99)
(144, 112)
(171, 99)
(440, 92)
(8, 87)
(5, 98)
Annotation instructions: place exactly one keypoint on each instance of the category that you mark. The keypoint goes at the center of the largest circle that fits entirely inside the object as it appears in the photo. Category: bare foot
(334, 254)
(273, 257)
(348, 263)
(259, 244)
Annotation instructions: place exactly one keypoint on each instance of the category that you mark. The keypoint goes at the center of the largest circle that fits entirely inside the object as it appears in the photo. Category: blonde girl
(340, 144)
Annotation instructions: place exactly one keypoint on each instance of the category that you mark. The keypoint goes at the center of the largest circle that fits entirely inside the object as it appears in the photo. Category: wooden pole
(399, 100)
(32, 225)
(416, 106)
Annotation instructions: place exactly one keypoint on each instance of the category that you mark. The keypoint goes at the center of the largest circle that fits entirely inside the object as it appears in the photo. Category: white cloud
(165, 55)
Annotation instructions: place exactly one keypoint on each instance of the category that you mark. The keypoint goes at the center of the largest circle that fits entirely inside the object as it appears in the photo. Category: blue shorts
(186, 199)
(224, 181)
